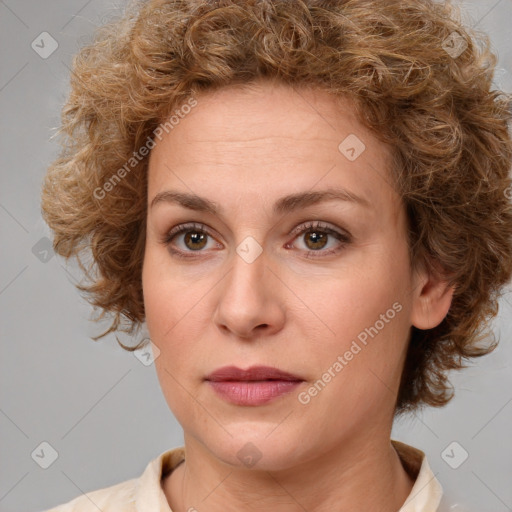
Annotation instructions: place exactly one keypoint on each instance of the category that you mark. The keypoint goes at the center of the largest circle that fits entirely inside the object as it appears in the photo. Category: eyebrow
(283, 205)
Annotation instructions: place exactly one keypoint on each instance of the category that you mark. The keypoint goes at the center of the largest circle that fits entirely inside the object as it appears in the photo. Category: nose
(249, 301)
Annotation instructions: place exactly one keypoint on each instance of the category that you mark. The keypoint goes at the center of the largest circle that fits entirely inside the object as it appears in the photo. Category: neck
(364, 475)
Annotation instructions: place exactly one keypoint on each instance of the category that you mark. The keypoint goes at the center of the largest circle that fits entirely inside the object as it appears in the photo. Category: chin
(255, 449)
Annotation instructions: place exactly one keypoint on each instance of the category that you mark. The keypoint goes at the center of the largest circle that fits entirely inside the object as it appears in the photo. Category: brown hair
(415, 89)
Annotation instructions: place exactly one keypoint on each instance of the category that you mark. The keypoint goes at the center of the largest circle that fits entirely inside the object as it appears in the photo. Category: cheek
(360, 363)
(163, 295)
(169, 319)
(175, 315)
(345, 307)
(367, 317)
(174, 385)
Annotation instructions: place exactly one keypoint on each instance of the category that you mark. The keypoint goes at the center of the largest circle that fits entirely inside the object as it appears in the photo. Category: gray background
(98, 406)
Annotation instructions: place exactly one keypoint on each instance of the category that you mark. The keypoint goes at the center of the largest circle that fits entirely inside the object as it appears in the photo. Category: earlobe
(432, 298)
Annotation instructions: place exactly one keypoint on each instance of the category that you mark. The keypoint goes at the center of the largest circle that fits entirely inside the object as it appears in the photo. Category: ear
(432, 298)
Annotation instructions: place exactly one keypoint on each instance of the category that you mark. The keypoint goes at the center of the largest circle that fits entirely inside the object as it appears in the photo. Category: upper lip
(233, 373)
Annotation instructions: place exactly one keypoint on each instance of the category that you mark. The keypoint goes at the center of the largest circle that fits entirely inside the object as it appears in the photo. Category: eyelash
(317, 226)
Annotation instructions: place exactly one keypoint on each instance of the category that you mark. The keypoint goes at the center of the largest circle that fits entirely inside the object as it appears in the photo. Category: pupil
(195, 237)
(318, 239)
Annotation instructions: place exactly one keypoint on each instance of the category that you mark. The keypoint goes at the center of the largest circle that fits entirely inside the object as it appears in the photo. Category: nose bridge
(246, 280)
(247, 298)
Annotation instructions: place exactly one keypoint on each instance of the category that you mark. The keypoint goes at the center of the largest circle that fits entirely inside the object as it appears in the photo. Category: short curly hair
(419, 80)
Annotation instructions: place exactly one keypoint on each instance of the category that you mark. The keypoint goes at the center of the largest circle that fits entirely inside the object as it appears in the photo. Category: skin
(245, 149)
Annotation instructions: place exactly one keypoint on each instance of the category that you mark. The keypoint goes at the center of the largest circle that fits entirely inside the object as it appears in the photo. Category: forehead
(271, 138)
(263, 109)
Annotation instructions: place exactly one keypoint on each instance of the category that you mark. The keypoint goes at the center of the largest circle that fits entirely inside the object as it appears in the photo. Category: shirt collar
(427, 492)
(149, 495)
(425, 495)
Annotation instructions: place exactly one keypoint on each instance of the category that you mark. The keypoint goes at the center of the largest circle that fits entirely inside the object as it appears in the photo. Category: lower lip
(253, 392)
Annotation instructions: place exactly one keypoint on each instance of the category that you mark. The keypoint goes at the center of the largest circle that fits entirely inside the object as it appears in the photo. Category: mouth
(253, 387)
(253, 374)
(256, 386)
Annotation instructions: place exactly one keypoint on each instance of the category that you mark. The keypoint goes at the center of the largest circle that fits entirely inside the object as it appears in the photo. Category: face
(319, 287)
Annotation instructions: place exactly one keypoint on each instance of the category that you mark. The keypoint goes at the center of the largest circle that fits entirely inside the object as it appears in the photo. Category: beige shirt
(145, 494)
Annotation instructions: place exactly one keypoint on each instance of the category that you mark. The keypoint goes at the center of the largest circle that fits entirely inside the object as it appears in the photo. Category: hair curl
(447, 130)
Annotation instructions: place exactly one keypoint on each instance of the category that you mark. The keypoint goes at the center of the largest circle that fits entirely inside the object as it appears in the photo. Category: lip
(254, 373)
(257, 385)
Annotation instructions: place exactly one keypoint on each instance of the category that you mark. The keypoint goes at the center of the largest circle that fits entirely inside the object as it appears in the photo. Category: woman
(308, 205)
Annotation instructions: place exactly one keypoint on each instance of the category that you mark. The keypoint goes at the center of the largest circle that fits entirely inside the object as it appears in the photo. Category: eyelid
(187, 226)
(318, 224)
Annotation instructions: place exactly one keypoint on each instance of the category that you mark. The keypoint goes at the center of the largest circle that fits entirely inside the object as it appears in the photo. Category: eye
(195, 239)
(316, 237)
